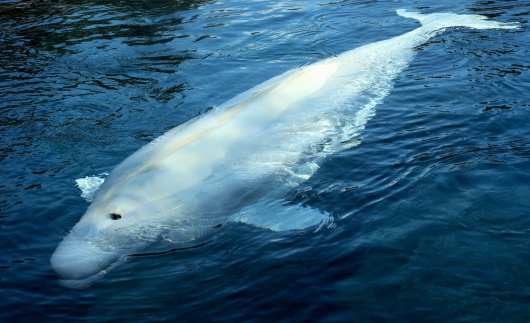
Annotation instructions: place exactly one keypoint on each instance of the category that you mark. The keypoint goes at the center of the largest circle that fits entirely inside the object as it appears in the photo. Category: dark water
(432, 208)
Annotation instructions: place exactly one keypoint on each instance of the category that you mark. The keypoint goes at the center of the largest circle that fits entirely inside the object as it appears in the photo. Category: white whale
(237, 161)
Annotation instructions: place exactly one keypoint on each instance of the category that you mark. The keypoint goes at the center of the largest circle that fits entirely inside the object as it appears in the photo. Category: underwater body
(248, 152)
(420, 215)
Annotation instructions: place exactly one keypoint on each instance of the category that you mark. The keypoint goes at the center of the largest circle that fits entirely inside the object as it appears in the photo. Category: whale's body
(239, 160)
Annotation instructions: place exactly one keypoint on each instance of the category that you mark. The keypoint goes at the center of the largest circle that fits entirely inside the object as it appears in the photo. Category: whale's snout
(79, 263)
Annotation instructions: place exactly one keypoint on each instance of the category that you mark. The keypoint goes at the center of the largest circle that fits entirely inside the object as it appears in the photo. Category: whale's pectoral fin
(280, 216)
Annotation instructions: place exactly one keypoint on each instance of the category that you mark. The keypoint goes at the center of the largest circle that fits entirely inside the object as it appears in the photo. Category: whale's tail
(435, 21)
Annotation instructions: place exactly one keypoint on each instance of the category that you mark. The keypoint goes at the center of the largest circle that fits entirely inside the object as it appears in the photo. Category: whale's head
(120, 225)
(78, 262)
(106, 234)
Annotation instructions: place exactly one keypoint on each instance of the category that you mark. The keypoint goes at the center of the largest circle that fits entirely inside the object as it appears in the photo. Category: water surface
(431, 207)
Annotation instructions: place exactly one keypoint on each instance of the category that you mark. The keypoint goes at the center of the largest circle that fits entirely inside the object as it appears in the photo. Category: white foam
(89, 185)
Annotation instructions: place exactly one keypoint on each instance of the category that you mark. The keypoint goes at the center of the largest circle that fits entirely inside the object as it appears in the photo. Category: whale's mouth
(82, 283)
(79, 263)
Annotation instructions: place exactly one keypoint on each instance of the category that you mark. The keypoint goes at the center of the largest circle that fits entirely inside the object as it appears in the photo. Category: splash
(89, 185)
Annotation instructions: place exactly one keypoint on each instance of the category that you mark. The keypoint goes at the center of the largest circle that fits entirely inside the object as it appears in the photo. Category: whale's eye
(115, 216)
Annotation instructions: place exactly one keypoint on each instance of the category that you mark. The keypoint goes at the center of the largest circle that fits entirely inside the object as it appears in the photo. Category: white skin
(255, 147)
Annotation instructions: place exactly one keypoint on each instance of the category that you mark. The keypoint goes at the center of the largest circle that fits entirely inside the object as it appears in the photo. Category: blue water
(431, 208)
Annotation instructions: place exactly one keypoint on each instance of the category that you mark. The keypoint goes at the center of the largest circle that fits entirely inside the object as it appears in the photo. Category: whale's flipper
(280, 216)
(437, 21)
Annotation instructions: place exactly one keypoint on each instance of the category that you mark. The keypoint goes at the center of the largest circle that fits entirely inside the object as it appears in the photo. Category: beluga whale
(239, 161)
